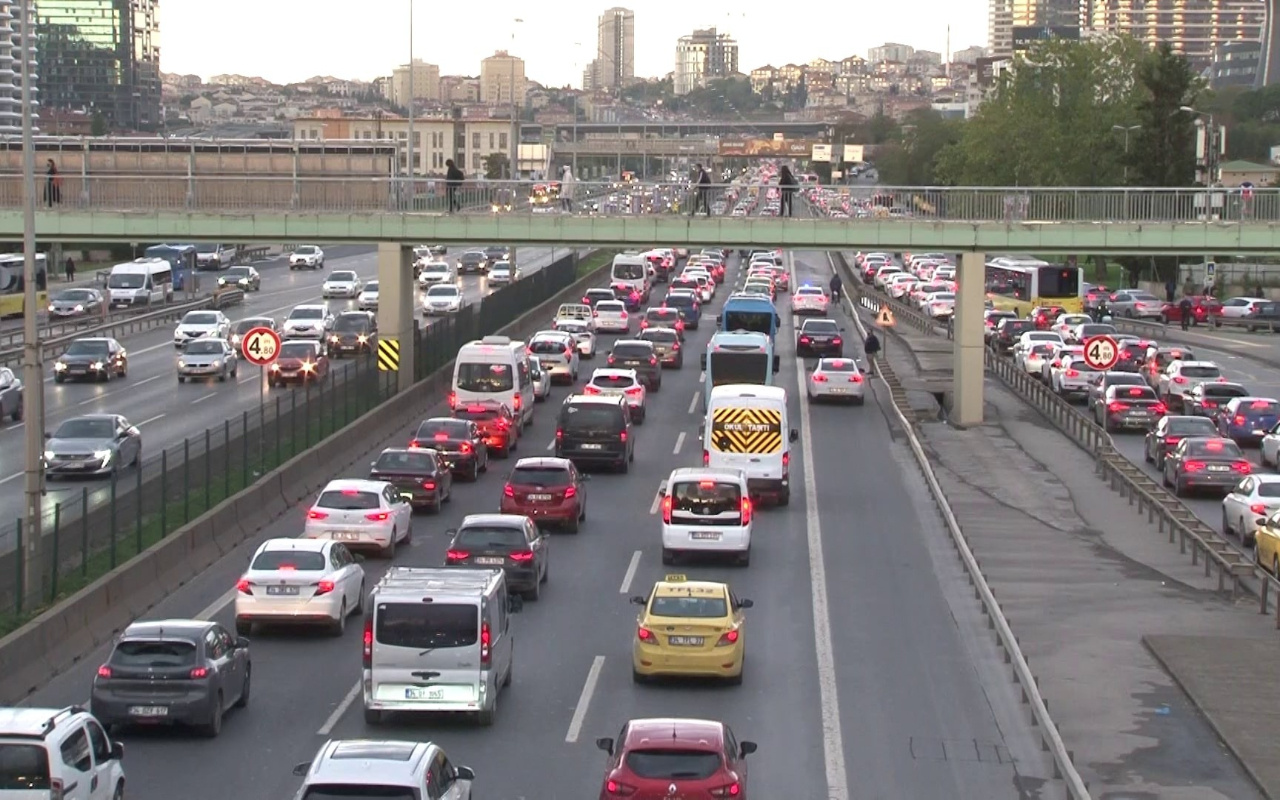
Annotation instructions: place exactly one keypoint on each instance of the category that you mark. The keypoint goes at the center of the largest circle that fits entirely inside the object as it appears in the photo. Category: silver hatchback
(207, 358)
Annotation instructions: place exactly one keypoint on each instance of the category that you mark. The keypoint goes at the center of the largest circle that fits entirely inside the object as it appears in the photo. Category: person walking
(871, 346)
(567, 182)
(453, 178)
(52, 184)
(701, 192)
(837, 283)
(788, 185)
(70, 270)
(1185, 312)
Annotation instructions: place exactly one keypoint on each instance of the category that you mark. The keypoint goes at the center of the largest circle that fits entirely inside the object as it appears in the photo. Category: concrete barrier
(68, 631)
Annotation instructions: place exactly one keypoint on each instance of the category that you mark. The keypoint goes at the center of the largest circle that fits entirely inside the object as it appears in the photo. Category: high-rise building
(101, 57)
(1013, 24)
(701, 56)
(890, 51)
(426, 82)
(11, 69)
(1193, 28)
(615, 62)
(502, 79)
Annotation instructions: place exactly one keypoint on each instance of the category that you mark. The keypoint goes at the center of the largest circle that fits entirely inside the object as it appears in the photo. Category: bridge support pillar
(968, 369)
(396, 306)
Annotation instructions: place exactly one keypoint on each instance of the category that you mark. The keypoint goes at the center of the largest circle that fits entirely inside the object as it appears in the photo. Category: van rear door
(426, 654)
(746, 435)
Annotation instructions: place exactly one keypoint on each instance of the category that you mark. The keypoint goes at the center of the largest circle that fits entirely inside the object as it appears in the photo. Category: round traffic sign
(1101, 352)
(260, 346)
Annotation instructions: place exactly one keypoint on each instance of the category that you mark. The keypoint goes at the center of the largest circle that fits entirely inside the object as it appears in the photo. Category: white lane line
(693, 404)
(679, 444)
(332, 721)
(131, 387)
(702, 377)
(249, 379)
(149, 420)
(657, 501)
(631, 573)
(12, 477)
(551, 445)
(584, 700)
(832, 738)
(204, 397)
(216, 606)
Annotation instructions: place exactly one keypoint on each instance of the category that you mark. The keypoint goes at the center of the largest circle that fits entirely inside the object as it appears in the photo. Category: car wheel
(1178, 489)
(1246, 538)
(339, 625)
(535, 594)
(118, 794)
(181, 379)
(1226, 524)
(486, 716)
(573, 525)
(736, 680)
(222, 376)
(244, 627)
(17, 412)
(213, 727)
(243, 700)
(389, 552)
(743, 559)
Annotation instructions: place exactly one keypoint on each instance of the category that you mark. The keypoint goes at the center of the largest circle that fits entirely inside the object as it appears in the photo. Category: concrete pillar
(396, 305)
(966, 396)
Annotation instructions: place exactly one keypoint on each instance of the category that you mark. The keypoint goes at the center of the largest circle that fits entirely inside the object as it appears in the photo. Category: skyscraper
(702, 56)
(1194, 28)
(103, 56)
(615, 64)
(11, 69)
(1011, 24)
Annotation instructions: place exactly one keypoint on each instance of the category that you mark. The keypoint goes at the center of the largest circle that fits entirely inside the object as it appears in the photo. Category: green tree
(496, 166)
(98, 124)
(910, 154)
(1163, 152)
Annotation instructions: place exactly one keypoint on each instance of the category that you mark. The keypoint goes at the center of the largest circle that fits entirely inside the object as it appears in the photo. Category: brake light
(1160, 408)
(243, 586)
(624, 314)
(1239, 420)
(522, 556)
(1072, 373)
(1209, 404)
(646, 635)
(727, 638)
(732, 790)
(1135, 392)
(1193, 466)
(414, 443)
(1258, 508)
(1172, 440)
(503, 424)
(706, 458)
(644, 323)
(1115, 406)
(855, 378)
(1179, 379)
(464, 448)
(485, 640)
(559, 434)
(453, 399)
(588, 389)
(634, 391)
(1243, 467)
(819, 378)
(429, 485)
(104, 671)
(570, 492)
(804, 340)
(666, 509)
(622, 437)
(745, 511)
(313, 514)
(378, 516)
(457, 555)
(509, 490)
(324, 587)
(611, 359)
(619, 789)
(515, 403)
(198, 673)
(786, 460)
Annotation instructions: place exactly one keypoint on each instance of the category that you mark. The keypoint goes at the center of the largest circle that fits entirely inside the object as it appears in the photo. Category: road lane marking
(216, 606)
(832, 737)
(150, 420)
(657, 500)
(584, 700)
(249, 379)
(551, 445)
(679, 444)
(332, 721)
(130, 388)
(693, 404)
(12, 477)
(203, 398)
(631, 573)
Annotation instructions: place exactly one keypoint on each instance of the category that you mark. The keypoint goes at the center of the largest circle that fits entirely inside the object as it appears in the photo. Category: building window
(491, 140)
(475, 141)
(502, 141)
(475, 160)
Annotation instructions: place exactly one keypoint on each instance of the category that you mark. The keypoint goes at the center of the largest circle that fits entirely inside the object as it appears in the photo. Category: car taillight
(634, 391)
(819, 378)
(1072, 373)
(457, 555)
(619, 789)
(105, 672)
(653, 361)
(559, 434)
(515, 403)
(644, 323)
(1179, 379)
(706, 458)
(1243, 467)
(414, 443)
(198, 673)
(1193, 466)
(485, 640)
(611, 360)
(464, 448)
(1172, 440)
(786, 460)
(804, 340)
(744, 510)
(502, 424)
(313, 514)
(855, 378)
(727, 638)
(624, 315)
(646, 635)
(324, 587)
(1239, 420)
(731, 790)
(429, 485)
(666, 509)
(509, 490)
(1160, 408)
(453, 399)
(243, 587)
(368, 642)
(571, 492)
(1258, 508)
(1115, 406)
(837, 341)
(522, 556)
(589, 389)
(378, 516)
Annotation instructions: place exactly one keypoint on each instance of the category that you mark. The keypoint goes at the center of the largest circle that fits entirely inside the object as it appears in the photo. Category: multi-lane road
(870, 672)
(167, 412)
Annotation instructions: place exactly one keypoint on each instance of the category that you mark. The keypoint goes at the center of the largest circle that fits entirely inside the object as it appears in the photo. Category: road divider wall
(73, 627)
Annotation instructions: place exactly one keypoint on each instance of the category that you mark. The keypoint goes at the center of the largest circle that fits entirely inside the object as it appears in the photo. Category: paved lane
(904, 649)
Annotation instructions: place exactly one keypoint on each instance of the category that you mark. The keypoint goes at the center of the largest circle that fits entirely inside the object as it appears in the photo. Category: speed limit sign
(260, 346)
(1101, 352)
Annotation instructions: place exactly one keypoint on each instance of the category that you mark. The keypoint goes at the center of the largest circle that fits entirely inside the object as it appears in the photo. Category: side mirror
(638, 600)
(464, 773)
(302, 769)
(515, 603)
(1262, 520)
(745, 603)
(242, 643)
(451, 532)
(747, 748)
(795, 435)
(777, 363)
(117, 751)
(605, 744)
(702, 361)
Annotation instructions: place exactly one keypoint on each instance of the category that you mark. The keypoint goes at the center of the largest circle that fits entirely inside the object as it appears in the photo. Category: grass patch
(594, 262)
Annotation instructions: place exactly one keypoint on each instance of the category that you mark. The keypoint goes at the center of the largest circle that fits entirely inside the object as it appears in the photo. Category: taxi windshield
(690, 606)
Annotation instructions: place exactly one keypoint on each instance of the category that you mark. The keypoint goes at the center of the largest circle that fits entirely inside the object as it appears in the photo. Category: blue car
(1246, 420)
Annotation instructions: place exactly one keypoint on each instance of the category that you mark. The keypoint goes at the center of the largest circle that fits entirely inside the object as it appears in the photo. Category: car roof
(500, 520)
(544, 462)
(358, 484)
(33, 723)
(609, 303)
(683, 474)
(294, 545)
(175, 628)
(311, 305)
(109, 417)
(632, 341)
(830, 362)
(606, 372)
(668, 731)
(596, 399)
(1191, 363)
(361, 761)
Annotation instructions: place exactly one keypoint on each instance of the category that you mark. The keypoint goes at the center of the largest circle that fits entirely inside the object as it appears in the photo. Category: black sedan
(1203, 462)
(1169, 431)
(459, 445)
(1208, 399)
(473, 261)
(1008, 332)
(91, 359)
(818, 338)
(353, 332)
(510, 542)
(418, 473)
(172, 672)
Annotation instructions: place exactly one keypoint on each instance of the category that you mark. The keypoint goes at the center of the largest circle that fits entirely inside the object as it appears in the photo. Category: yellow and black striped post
(388, 354)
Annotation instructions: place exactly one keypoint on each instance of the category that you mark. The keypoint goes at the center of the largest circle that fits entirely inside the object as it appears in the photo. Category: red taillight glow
(745, 511)
(804, 340)
(198, 673)
(634, 391)
(522, 556)
(619, 789)
(1160, 408)
(571, 492)
(666, 509)
(104, 671)
(414, 443)
(622, 437)
(589, 389)
(1258, 508)
(706, 458)
(243, 587)
(727, 638)
(453, 399)
(819, 378)
(509, 490)
(1242, 467)
(313, 514)
(378, 516)
(1115, 406)
(429, 485)
(1239, 420)
(646, 635)
(1194, 466)
(457, 555)
(368, 642)
(485, 640)
(1073, 373)
(324, 587)
(732, 790)
(1179, 379)
(464, 448)
(559, 434)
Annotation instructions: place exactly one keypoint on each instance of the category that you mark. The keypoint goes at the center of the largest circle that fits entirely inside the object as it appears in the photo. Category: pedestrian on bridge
(453, 178)
(52, 184)
(70, 270)
(788, 184)
(567, 182)
(701, 192)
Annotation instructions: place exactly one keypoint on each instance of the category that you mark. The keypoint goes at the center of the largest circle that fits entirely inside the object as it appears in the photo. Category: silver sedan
(207, 358)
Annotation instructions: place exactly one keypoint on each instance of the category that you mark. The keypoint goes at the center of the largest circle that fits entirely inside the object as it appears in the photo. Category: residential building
(426, 82)
(467, 141)
(701, 56)
(502, 80)
(11, 66)
(1013, 24)
(1194, 28)
(101, 56)
(459, 89)
(969, 55)
(1235, 64)
(615, 62)
(762, 77)
(890, 51)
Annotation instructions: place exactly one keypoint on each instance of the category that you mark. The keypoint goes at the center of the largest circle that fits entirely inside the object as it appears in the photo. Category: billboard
(821, 152)
(853, 154)
(1026, 35)
(764, 148)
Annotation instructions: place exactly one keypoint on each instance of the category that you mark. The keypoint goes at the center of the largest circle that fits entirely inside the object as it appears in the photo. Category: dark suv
(458, 443)
(641, 356)
(473, 261)
(596, 429)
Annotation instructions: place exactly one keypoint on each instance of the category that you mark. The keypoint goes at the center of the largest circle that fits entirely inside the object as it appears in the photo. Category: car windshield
(442, 429)
(442, 291)
(200, 318)
(663, 314)
(611, 307)
(474, 255)
(88, 348)
(238, 272)
(573, 327)
(405, 461)
(74, 295)
(1200, 372)
(491, 536)
(246, 325)
(427, 626)
(1222, 390)
(1125, 379)
(599, 294)
(203, 348)
(632, 351)
(302, 350)
(24, 768)
(1096, 330)
(660, 335)
(673, 764)
(820, 326)
(614, 381)
(342, 277)
(839, 365)
(809, 290)
(305, 250)
(1258, 407)
(540, 476)
(371, 287)
(484, 378)
(705, 498)
(307, 313)
(290, 560)
(154, 653)
(358, 791)
(588, 418)
(547, 346)
(349, 500)
(86, 429)
(1192, 426)
(629, 272)
(1269, 489)
(689, 606)
(125, 280)
(1215, 448)
(352, 323)
(436, 266)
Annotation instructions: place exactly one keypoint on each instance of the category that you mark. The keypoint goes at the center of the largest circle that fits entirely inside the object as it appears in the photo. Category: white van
(631, 270)
(706, 511)
(494, 368)
(438, 639)
(746, 429)
(140, 282)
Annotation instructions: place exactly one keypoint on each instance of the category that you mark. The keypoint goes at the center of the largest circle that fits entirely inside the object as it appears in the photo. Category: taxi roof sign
(676, 578)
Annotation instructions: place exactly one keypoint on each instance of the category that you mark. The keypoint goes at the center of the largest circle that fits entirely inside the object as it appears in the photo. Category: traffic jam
(437, 639)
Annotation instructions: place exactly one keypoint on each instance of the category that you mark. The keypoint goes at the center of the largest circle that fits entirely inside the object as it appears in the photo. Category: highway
(167, 412)
(870, 672)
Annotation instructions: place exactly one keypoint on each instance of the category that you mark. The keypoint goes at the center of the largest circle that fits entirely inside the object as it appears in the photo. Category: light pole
(1127, 129)
(515, 120)
(32, 371)
(410, 145)
(1212, 144)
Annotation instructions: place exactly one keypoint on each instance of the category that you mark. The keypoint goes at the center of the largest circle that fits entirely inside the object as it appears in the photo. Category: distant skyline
(292, 41)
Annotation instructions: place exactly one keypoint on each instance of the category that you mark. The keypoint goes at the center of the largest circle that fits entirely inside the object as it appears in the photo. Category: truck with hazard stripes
(746, 428)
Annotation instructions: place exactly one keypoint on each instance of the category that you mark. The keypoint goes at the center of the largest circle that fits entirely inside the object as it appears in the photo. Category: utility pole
(32, 370)
(412, 69)
(514, 160)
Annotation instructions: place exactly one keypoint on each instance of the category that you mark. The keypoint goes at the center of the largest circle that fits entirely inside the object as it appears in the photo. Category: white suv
(306, 256)
(706, 511)
(369, 768)
(59, 753)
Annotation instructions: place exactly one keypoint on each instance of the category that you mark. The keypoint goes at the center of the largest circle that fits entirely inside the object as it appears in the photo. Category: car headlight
(97, 365)
(49, 455)
(362, 338)
(222, 281)
(51, 306)
(217, 364)
(275, 367)
(102, 455)
(59, 366)
(308, 367)
(79, 308)
(181, 363)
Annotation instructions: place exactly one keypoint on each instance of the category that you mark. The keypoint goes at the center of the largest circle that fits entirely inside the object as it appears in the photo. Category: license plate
(427, 693)
(540, 497)
(148, 711)
(488, 560)
(837, 390)
(549, 363)
(1218, 468)
(711, 535)
(282, 590)
(344, 536)
(685, 641)
(593, 447)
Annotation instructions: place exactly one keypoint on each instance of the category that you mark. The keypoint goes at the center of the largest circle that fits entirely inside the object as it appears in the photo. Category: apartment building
(502, 79)
(467, 141)
(701, 56)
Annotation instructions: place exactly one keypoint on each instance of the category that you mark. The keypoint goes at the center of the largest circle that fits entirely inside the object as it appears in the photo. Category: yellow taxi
(689, 629)
(1266, 543)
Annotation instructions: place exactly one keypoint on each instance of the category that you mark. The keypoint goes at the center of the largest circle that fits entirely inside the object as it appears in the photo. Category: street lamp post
(1212, 143)
(409, 148)
(515, 119)
(1126, 129)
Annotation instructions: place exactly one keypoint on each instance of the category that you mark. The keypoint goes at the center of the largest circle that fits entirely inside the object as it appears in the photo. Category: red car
(496, 423)
(299, 362)
(1044, 316)
(686, 758)
(1204, 309)
(546, 490)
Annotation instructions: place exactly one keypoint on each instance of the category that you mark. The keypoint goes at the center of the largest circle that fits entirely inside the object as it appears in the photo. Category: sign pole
(262, 420)
(261, 347)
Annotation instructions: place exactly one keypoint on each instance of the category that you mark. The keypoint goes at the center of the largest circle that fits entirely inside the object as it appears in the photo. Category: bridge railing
(1010, 205)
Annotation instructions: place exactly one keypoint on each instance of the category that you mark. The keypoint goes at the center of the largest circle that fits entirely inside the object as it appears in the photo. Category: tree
(98, 124)
(1163, 152)
(496, 166)
(910, 153)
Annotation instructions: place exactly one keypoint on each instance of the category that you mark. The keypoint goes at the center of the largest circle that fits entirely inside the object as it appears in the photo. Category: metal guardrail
(1157, 330)
(1064, 767)
(12, 339)
(1010, 205)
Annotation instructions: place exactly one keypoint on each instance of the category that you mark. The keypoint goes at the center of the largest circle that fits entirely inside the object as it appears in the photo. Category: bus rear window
(1059, 281)
(756, 321)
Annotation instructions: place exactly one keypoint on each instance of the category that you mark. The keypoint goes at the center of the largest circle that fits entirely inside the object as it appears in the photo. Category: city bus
(749, 312)
(738, 357)
(12, 284)
(181, 258)
(1020, 283)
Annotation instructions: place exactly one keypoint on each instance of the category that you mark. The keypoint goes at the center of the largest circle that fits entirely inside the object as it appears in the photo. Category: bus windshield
(755, 321)
(725, 367)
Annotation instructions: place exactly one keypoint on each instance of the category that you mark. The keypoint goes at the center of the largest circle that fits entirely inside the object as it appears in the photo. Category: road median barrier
(72, 628)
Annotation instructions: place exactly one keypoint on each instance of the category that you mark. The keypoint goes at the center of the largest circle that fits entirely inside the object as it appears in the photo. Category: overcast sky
(292, 40)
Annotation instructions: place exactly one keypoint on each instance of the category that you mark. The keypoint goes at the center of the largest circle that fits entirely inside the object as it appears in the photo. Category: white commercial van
(140, 282)
(746, 429)
(494, 368)
(438, 639)
(706, 511)
(632, 271)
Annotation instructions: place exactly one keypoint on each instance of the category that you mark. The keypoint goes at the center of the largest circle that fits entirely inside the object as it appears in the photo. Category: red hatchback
(299, 362)
(496, 424)
(693, 759)
(546, 490)
(1204, 309)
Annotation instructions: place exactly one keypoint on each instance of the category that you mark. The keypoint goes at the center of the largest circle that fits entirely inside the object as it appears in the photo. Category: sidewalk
(1092, 591)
